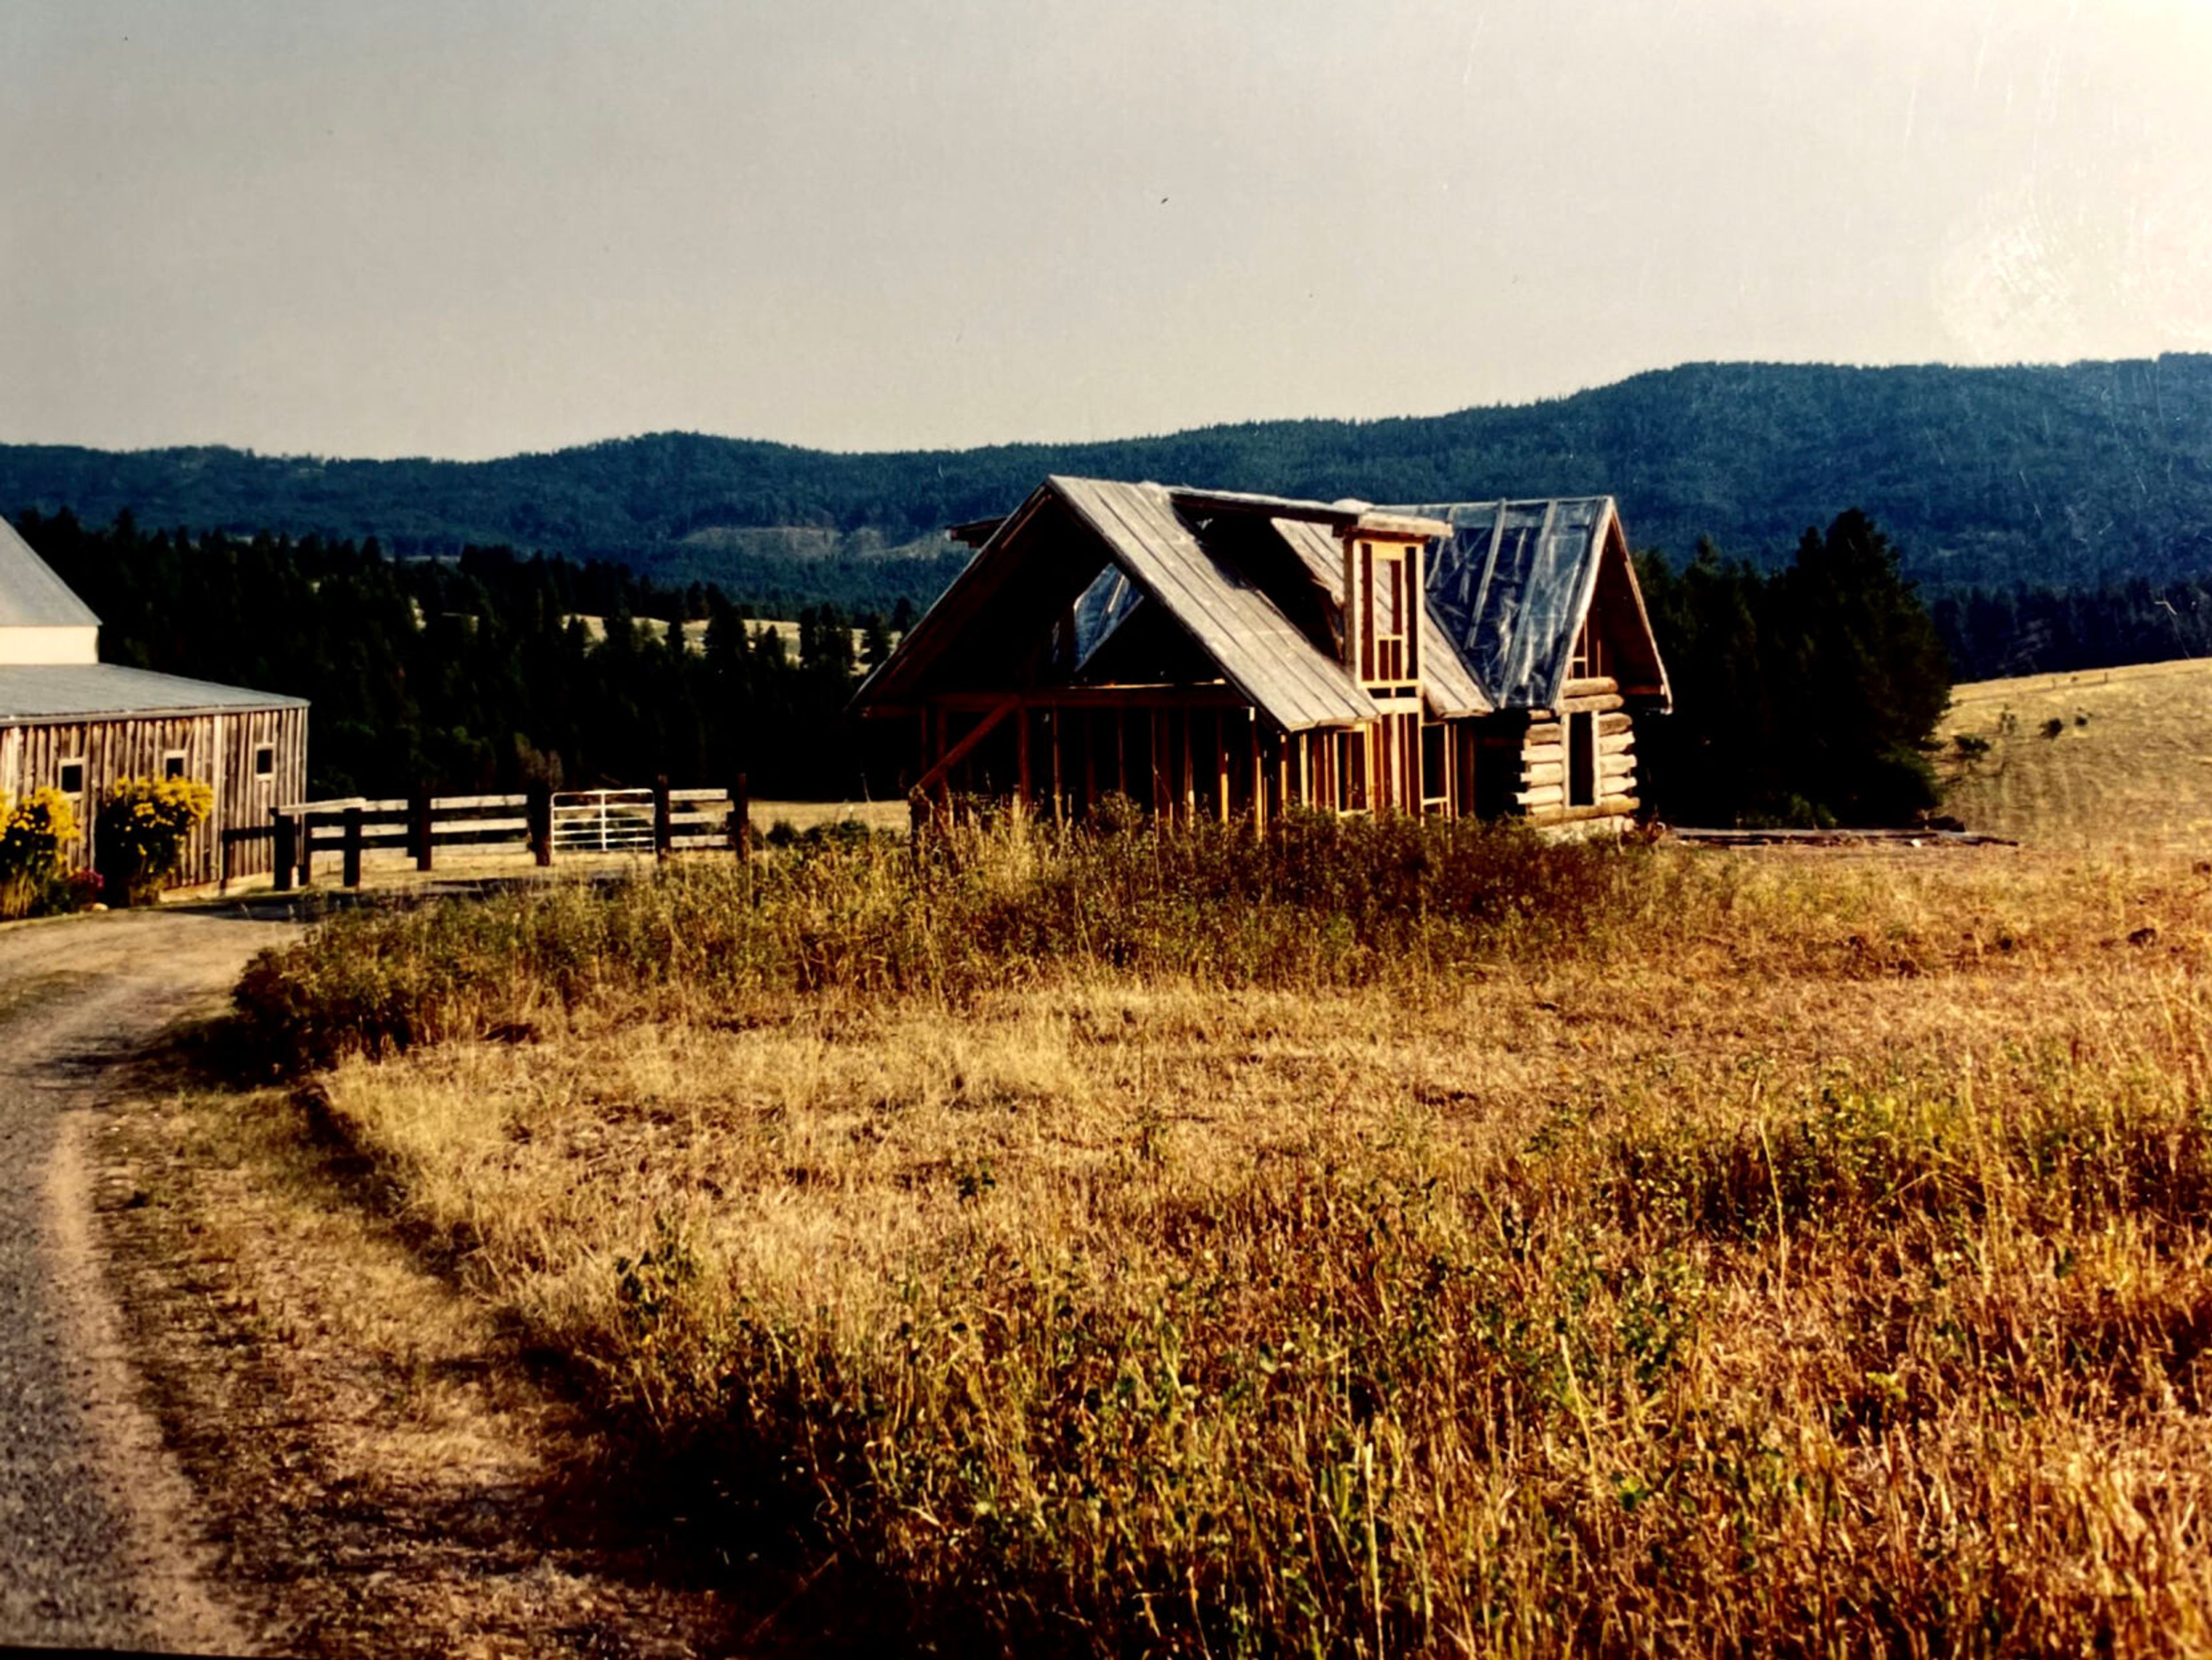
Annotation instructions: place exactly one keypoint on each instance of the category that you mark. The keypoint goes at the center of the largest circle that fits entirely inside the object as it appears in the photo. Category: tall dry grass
(1143, 1246)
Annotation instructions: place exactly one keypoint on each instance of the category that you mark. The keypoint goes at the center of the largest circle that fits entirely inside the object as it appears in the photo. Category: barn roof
(31, 595)
(42, 695)
(1511, 585)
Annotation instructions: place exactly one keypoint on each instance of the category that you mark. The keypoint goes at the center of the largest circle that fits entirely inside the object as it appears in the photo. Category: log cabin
(1217, 654)
(70, 722)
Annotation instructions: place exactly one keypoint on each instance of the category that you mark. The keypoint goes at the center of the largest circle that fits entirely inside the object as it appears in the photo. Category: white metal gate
(602, 821)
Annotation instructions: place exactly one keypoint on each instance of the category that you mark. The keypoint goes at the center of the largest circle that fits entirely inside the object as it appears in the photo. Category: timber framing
(1218, 654)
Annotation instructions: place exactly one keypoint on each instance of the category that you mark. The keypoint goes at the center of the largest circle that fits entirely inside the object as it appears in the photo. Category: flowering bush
(33, 833)
(140, 833)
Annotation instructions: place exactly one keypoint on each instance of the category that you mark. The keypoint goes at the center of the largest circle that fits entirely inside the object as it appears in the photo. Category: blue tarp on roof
(1510, 587)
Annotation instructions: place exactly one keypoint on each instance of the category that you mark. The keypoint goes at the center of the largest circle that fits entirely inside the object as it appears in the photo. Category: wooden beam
(1221, 763)
(1603, 704)
(1594, 685)
(961, 751)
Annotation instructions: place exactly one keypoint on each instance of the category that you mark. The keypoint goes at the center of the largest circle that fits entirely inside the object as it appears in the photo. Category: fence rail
(656, 820)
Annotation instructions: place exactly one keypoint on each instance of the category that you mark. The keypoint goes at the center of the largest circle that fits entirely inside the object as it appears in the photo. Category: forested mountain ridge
(2080, 475)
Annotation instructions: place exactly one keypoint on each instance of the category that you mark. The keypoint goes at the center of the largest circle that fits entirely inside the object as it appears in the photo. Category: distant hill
(2085, 474)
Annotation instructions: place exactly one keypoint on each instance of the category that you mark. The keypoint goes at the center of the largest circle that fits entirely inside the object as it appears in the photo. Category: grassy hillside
(2112, 757)
(2083, 473)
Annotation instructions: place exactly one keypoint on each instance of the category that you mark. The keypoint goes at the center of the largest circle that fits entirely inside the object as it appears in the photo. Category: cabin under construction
(1211, 653)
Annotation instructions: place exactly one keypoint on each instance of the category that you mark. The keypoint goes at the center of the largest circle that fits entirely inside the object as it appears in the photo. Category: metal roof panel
(1260, 652)
(97, 691)
(31, 595)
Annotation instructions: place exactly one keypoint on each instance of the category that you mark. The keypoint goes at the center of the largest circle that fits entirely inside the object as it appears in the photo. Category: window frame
(1582, 759)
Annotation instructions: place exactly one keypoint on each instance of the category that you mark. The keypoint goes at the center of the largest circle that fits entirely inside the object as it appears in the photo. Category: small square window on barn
(72, 781)
(172, 764)
(264, 763)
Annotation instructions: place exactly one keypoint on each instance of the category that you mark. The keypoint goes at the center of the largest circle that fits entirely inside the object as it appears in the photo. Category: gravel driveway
(98, 1523)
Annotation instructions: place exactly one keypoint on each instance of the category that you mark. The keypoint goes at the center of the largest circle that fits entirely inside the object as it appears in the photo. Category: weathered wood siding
(218, 750)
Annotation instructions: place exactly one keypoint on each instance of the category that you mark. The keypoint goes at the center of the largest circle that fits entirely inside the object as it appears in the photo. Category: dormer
(42, 624)
(1384, 582)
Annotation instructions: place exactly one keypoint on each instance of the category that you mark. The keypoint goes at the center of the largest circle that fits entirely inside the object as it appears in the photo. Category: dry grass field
(2106, 757)
(1402, 1240)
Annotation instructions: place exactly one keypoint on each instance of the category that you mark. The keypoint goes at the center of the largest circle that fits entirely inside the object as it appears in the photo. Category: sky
(471, 227)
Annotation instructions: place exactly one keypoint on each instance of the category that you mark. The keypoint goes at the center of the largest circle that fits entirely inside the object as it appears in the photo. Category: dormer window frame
(1384, 587)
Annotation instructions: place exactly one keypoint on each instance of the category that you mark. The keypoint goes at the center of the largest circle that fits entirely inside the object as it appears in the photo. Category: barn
(1217, 654)
(70, 722)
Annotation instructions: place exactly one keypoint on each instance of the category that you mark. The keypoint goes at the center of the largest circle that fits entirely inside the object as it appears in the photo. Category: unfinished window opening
(172, 764)
(1389, 585)
(1589, 661)
(1436, 775)
(72, 777)
(1582, 760)
(264, 763)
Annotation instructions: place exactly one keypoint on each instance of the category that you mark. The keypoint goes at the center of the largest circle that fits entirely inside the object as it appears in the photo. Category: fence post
(539, 810)
(285, 860)
(223, 840)
(306, 849)
(741, 818)
(664, 832)
(418, 826)
(353, 846)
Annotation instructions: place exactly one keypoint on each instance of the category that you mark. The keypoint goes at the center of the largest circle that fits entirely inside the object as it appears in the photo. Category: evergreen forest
(479, 672)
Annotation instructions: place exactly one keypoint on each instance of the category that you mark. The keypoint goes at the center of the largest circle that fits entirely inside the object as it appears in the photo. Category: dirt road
(97, 1521)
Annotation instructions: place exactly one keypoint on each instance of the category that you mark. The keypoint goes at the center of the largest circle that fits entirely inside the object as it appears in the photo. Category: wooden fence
(542, 823)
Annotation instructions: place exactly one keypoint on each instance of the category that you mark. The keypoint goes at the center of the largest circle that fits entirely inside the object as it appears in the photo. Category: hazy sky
(471, 227)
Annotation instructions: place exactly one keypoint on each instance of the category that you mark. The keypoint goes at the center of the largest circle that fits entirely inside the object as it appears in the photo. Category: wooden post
(285, 862)
(1162, 802)
(1258, 776)
(537, 810)
(1189, 807)
(1059, 786)
(1027, 792)
(222, 880)
(664, 829)
(418, 826)
(1221, 764)
(741, 818)
(306, 849)
(353, 846)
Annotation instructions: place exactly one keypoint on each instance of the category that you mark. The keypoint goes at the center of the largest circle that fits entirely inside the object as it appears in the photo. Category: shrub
(1314, 902)
(142, 830)
(33, 833)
